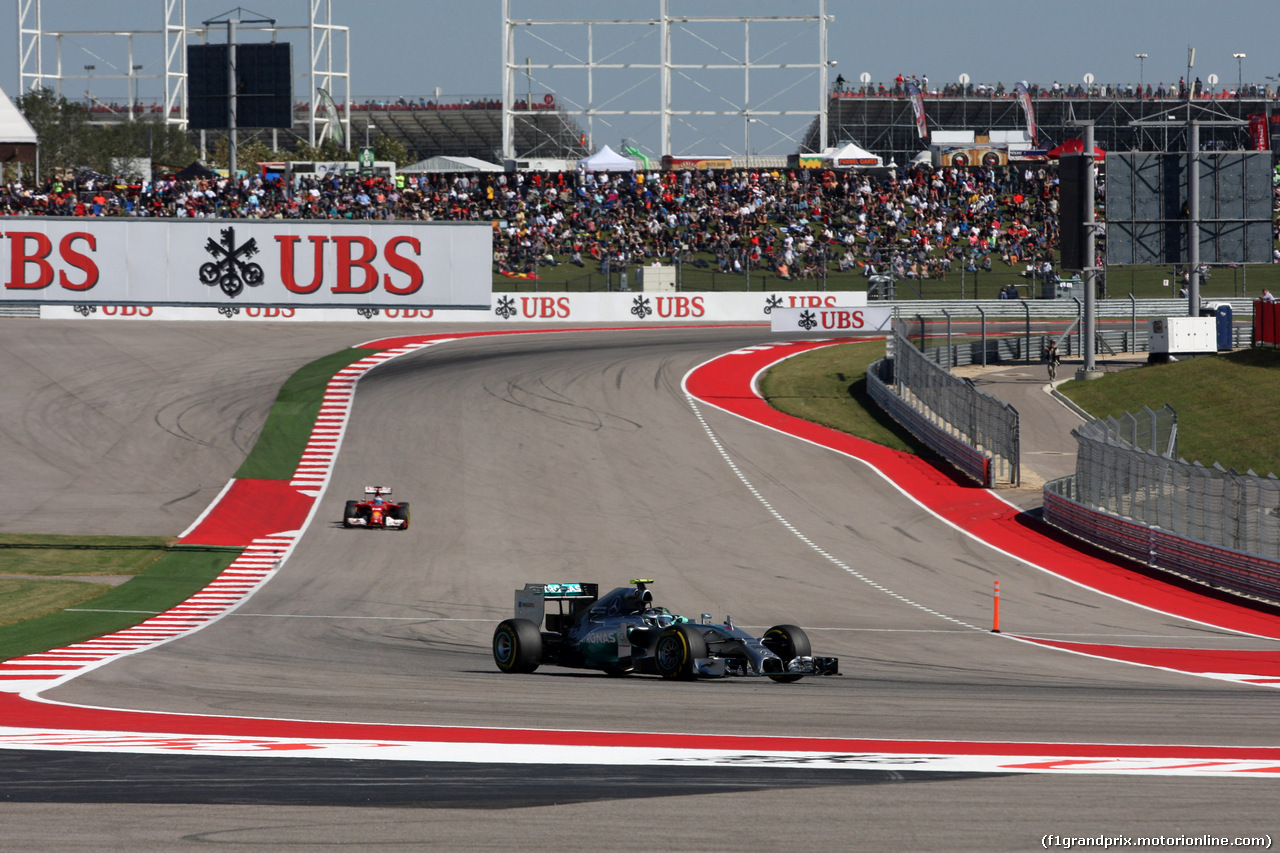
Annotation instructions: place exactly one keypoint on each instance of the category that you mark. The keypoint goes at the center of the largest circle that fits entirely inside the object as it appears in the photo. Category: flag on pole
(917, 107)
(1024, 98)
(332, 119)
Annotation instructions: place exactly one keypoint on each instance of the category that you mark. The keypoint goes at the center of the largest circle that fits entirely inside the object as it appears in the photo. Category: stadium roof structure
(475, 132)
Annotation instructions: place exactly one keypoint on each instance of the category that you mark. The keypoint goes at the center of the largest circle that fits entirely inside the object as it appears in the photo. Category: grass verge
(1226, 405)
(828, 386)
(68, 556)
(175, 577)
(276, 453)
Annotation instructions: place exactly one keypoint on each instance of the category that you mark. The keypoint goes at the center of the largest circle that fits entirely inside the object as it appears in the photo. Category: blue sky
(410, 47)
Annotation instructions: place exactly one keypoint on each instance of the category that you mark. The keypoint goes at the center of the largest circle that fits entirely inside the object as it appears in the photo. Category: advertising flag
(917, 107)
(1024, 98)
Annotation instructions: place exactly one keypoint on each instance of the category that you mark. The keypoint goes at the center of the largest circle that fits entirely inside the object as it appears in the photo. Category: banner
(242, 262)
(847, 320)
(619, 308)
(1028, 111)
(917, 107)
(1259, 133)
(333, 126)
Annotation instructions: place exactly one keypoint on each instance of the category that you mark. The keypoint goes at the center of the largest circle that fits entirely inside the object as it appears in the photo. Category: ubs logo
(230, 270)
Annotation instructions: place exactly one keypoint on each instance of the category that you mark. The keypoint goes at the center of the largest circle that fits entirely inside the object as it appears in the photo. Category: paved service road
(576, 456)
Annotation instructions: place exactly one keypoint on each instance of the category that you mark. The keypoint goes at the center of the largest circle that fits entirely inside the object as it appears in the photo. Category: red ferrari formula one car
(376, 511)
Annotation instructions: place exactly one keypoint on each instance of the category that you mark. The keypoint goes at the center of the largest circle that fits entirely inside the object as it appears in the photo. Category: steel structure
(884, 124)
(327, 67)
(664, 65)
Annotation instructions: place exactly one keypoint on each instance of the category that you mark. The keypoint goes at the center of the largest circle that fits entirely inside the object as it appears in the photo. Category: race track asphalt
(562, 457)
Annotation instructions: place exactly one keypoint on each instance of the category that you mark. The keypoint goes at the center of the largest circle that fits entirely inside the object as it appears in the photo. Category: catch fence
(1131, 469)
(972, 429)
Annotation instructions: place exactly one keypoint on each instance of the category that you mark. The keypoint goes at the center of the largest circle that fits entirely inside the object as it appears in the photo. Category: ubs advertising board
(852, 320)
(222, 262)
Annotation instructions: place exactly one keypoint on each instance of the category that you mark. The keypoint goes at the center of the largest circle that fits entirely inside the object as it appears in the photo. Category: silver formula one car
(623, 632)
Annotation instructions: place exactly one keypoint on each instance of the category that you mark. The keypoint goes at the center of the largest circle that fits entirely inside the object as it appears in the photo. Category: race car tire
(352, 511)
(517, 645)
(676, 652)
(402, 512)
(787, 642)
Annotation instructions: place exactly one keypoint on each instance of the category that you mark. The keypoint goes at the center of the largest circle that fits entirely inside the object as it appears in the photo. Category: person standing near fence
(1052, 358)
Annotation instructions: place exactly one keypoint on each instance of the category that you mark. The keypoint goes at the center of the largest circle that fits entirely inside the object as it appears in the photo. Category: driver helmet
(377, 501)
(659, 616)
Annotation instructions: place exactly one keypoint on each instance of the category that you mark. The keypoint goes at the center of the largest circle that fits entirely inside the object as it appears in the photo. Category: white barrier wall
(222, 264)
(621, 308)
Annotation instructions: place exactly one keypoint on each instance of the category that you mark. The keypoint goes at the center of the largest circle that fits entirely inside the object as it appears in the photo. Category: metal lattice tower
(327, 65)
(664, 64)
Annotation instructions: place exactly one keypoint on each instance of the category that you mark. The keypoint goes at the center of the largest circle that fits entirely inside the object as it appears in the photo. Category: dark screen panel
(264, 86)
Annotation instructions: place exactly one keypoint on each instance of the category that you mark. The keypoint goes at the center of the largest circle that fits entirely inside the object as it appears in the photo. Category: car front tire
(787, 642)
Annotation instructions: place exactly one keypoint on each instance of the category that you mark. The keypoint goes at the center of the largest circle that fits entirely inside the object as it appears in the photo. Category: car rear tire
(787, 642)
(352, 511)
(676, 651)
(517, 645)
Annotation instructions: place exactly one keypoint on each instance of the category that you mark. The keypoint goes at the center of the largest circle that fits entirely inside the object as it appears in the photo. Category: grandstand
(885, 125)
(467, 127)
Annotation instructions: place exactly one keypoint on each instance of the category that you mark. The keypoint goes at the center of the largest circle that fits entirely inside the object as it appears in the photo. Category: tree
(158, 142)
(62, 127)
(389, 148)
(326, 151)
(249, 153)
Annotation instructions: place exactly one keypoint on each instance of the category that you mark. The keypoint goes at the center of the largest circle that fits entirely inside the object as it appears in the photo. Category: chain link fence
(1129, 467)
(952, 407)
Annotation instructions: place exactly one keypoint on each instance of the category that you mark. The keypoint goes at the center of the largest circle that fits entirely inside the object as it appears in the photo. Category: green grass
(59, 555)
(1227, 405)
(24, 599)
(828, 386)
(276, 453)
(176, 576)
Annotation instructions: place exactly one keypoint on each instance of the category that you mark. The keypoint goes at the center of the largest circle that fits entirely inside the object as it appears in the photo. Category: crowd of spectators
(795, 224)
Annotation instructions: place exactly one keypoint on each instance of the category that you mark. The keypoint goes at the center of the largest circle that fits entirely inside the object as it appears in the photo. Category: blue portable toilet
(1221, 312)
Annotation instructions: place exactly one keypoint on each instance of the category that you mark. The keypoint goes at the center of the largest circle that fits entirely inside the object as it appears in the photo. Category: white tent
(851, 156)
(607, 160)
(444, 163)
(17, 136)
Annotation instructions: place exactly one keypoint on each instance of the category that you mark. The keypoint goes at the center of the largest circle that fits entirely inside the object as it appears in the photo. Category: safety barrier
(1204, 562)
(969, 460)
(1226, 509)
(975, 431)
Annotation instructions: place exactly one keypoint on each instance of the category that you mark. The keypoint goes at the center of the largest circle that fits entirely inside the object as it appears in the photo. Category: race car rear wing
(531, 601)
(377, 490)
